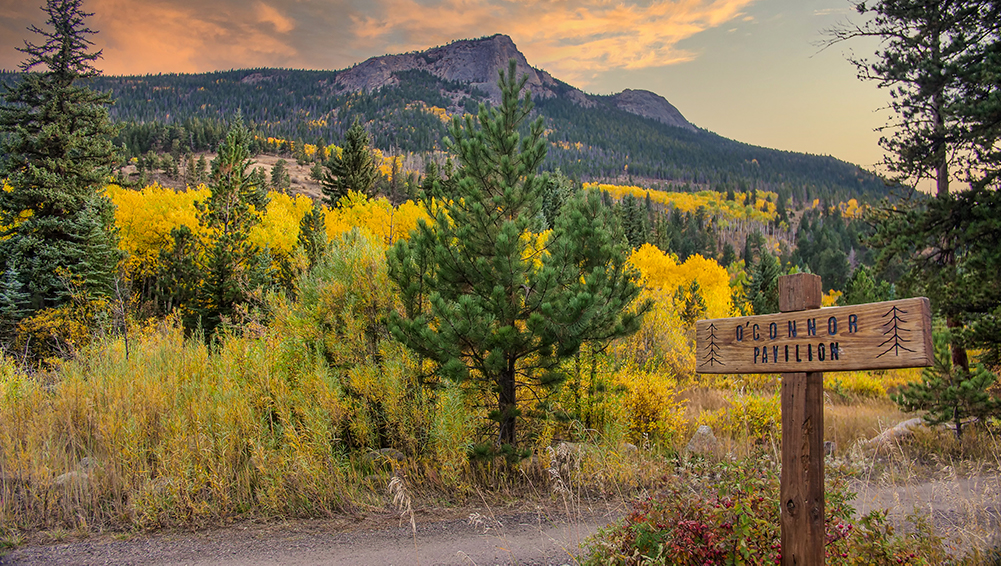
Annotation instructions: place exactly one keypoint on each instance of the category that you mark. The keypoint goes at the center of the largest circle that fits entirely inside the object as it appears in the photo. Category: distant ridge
(477, 62)
(406, 103)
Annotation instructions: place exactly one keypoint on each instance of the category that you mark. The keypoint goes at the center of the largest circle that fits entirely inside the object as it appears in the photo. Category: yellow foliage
(53, 334)
(661, 271)
(145, 218)
(859, 384)
(830, 298)
(665, 339)
(713, 202)
(746, 416)
(279, 226)
(377, 216)
(654, 413)
(851, 209)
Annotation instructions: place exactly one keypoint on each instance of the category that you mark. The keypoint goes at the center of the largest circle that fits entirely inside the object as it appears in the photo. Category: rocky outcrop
(477, 62)
(650, 105)
(472, 61)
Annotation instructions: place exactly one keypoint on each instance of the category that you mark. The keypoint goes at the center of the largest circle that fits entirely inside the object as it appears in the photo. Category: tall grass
(170, 436)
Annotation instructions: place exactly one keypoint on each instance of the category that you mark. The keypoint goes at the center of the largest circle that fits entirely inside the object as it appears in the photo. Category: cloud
(573, 39)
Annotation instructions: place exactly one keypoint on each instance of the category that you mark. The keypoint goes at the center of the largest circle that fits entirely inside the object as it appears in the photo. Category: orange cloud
(573, 39)
(570, 38)
(269, 14)
(174, 37)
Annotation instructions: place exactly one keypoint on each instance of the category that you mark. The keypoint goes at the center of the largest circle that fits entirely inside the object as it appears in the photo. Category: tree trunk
(507, 403)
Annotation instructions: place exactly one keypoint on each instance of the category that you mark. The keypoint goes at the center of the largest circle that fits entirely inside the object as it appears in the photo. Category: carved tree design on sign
(712, 349)
(893, 327)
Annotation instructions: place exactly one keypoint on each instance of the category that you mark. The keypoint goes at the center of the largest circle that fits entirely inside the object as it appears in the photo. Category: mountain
(477, 62)
(406, 100)
(650, 105)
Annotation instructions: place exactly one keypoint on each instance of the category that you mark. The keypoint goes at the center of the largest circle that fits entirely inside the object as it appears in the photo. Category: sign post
(802, 342)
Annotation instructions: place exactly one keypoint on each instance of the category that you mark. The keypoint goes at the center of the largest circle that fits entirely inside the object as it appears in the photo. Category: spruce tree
(234, 268)
(13, 301)
(483, 304)
(354, 170)
(56, 138)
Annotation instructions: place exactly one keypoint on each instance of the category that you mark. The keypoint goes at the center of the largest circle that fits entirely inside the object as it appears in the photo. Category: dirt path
(519, 538)
(964, 510)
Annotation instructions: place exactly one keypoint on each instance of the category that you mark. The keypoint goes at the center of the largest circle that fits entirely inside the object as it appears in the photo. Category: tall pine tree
(56, 138)
(353, 170)
(480, 300)
(235, 269)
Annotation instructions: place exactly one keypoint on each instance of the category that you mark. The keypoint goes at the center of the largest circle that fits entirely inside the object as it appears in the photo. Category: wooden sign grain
(892, 334)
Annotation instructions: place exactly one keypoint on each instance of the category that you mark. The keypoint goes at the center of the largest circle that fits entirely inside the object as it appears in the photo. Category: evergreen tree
(178, 275)
(927, 52)
(763, 290)
(951, 394)
(729, 255)
(479, 301)
(632, 221)
(692, 305)
(941, 60)
(13, 302)
(862, 288)
(201, 170)
(951, 253)
(55, 135)
(556, 192)
(281, 180)
(313, 234)
(234, 269)
(354, 170)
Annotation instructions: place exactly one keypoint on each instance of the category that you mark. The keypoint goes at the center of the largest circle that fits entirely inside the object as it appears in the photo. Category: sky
(750, 70)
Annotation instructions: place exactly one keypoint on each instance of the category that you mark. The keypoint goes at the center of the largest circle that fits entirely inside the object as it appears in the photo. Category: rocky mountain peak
(473, 61)
(477, 62)
(651, 105)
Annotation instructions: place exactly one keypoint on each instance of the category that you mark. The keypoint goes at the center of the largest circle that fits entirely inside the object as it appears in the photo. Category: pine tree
(354, 170)
(862, 288)
(234, 268)
(951, 394)
(313, 234)
(56, 135)
(940, 59)
(763, 290)
(479, 301)
(281, 180)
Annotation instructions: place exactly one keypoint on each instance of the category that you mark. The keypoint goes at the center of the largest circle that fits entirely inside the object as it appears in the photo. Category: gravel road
(518, 538)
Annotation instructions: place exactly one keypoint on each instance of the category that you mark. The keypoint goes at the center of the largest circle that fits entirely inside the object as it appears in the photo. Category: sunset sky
(750, 70)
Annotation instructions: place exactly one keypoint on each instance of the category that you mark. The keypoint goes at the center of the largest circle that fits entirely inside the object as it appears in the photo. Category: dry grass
(847, 424)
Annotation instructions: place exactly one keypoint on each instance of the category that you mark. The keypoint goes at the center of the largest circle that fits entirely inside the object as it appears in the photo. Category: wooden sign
(801, 343)
(892, 334)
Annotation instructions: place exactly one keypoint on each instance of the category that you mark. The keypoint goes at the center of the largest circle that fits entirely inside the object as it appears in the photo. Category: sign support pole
(802, 480)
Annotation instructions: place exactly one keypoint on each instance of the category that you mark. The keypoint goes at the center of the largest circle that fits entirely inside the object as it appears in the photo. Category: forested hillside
(591, 142)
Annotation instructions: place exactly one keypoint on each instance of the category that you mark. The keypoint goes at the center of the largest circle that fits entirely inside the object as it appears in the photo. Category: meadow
(306, 406)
